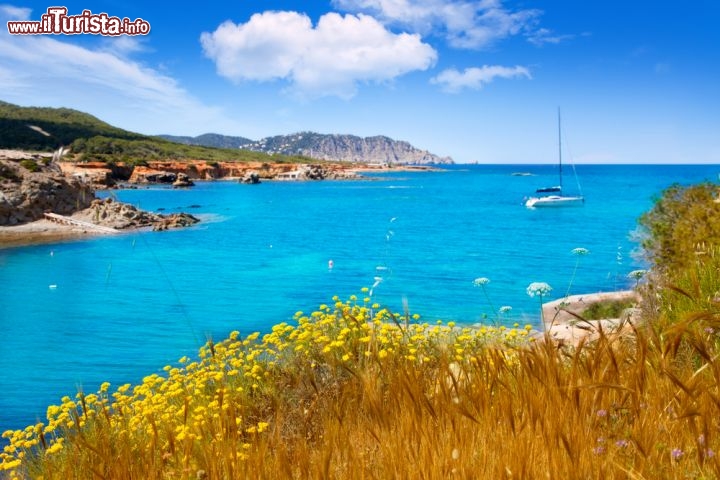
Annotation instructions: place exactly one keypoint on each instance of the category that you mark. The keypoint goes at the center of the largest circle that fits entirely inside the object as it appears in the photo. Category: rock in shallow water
(123, 216)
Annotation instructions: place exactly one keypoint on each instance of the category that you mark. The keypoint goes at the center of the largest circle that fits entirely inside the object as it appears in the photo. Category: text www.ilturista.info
(57, 22)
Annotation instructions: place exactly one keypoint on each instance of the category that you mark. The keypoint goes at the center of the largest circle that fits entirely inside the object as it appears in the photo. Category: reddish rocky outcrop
(182, 173)
(167, 172)
(97, 174)
(248, 172)
(93, 173)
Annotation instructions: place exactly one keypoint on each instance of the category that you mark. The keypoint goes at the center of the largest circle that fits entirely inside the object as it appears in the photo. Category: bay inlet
(118, 308)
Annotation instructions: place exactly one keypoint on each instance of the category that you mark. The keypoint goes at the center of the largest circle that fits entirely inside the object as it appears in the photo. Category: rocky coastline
(33, 184)
(32, 187)
(185, 173)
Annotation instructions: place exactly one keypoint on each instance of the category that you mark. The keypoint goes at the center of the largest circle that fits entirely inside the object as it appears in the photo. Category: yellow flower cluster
(213, 401)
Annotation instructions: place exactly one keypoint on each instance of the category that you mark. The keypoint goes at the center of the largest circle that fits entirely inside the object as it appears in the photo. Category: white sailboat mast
(560, 149)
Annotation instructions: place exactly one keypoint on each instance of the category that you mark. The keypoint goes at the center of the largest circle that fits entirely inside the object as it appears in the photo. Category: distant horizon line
(551, 164)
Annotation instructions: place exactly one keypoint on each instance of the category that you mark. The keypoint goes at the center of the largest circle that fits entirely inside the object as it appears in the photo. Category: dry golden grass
(349, 393)
(612, 410)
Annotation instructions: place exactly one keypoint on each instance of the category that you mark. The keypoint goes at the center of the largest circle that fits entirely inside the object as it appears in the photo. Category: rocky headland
(34, 186)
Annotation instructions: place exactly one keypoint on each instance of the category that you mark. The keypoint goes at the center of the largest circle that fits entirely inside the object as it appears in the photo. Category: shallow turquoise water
(123, 307)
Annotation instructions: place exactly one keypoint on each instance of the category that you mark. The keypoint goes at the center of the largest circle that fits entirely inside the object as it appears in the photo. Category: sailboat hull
(558, 200)
(554, 201)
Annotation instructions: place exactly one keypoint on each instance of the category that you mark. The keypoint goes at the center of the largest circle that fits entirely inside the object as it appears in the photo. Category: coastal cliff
(182, 173)
(202, 170)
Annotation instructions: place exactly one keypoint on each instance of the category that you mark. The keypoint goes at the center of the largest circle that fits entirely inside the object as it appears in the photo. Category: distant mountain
(43, 128)
(346, 148)
(343, 148)
(209, 140)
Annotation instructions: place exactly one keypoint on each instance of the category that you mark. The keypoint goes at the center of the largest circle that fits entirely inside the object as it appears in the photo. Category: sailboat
(558, 200)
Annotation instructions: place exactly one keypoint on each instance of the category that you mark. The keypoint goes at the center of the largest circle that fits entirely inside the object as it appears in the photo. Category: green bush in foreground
(681, 225)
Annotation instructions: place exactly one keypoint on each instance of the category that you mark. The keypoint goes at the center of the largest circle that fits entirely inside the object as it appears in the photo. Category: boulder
(326, 172)
(143, 174)
(174, 220)
(183, 181)
(251, 178)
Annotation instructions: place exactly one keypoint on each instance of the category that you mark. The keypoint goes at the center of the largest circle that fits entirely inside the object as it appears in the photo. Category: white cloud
(466, 24)
(51, 71)
(542, 36)
(124, 45)
(475, 78)
(10, 12)
(328, 59)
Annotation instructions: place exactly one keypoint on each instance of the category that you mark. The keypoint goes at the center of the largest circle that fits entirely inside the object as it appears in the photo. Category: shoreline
(565, 328)
(102, 176)
(102, 218)
(42, 232)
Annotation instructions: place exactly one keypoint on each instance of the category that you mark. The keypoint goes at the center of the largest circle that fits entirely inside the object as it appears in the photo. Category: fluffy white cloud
(472, 24)
(51, 71)
(454, 81)
(328, 59)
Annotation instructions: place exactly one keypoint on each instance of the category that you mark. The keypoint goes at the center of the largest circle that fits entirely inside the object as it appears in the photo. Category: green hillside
(91, 139)
(144, 149)
(45, 129)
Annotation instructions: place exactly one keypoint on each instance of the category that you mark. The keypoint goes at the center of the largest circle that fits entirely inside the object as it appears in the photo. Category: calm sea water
(123, 307)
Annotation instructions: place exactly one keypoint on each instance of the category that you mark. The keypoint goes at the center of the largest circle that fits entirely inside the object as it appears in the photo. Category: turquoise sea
(75, 314)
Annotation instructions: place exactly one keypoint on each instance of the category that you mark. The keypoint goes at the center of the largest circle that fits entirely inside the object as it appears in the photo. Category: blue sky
(480, 81)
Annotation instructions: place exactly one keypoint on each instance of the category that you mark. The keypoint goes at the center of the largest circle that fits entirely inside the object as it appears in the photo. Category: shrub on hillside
(30, 165)
(607, 309)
